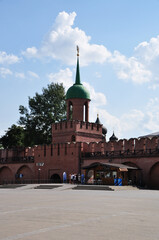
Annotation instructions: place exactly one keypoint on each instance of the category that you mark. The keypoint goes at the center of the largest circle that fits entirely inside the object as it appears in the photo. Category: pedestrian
(72, 178)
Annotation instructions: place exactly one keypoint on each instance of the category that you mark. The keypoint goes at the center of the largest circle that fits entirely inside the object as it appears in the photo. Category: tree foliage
(14, 137)
(44, 109)
(36, 120)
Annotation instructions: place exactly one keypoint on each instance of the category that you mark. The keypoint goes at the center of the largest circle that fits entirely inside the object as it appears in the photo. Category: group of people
(74, 178)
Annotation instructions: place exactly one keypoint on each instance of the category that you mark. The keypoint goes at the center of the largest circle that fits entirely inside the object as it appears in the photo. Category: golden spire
(77, 50)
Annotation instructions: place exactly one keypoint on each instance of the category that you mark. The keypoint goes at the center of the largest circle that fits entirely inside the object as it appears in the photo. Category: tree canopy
(14, 137)
(36, 120)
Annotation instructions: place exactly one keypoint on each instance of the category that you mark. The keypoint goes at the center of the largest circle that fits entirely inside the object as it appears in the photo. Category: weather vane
(77, 50)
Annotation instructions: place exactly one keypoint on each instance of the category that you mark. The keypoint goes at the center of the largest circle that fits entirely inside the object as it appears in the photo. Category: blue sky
(119, 58)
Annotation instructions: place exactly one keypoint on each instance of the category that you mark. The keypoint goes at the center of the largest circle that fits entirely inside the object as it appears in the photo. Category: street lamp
(39, 169)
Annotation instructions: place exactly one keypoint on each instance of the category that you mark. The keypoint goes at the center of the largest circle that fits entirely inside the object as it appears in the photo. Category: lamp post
(39, 169)
(39, 164)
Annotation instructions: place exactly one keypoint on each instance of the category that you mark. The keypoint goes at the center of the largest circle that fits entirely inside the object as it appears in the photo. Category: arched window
(85, 112)
(73, 138)
(70, 110)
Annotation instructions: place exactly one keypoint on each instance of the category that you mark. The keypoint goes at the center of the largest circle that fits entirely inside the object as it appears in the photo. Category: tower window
(73, 139)
(84, 113)
(70, 110)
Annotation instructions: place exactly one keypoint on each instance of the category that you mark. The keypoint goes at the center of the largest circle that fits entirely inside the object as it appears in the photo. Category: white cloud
(98, 75)
(4, 72)
(130, 68)
(152, 115)
(131, 120)
(30, 52)
(107, 119)
(98, 98)
(123, 126)
(153, 86)
(131, 123)
(148, 51)
(64, 76)
(33, 74)
(8, 59)
(142, 67)
(29, 74)
(20, 75)
(61, 41)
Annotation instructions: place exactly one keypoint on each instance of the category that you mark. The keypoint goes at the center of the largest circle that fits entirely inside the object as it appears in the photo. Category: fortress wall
(3, 153)
(91, 147)
(107, 146)
(17, 152)
(140, 144)
(97, 147)
(118, 146)
(129, 144)
(85, 147)
(152, 143)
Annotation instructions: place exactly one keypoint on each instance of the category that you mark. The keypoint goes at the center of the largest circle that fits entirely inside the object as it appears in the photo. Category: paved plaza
(63, 213)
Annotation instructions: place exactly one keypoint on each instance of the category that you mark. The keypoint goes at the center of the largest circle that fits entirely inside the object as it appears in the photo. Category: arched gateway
(154, 176)
(24, 174)
(55, 178)
(6, 175)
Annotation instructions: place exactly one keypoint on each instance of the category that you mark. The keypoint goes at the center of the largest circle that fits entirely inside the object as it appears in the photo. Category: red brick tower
(77, 128)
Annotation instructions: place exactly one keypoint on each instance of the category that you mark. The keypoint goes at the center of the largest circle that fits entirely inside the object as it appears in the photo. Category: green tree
(14, 137)
(44, 109)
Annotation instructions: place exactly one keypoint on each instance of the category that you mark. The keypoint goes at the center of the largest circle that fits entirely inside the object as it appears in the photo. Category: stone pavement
(62, 213)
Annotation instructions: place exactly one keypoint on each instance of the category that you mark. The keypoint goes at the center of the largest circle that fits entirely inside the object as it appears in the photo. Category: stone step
(93, 187)
(47, 186)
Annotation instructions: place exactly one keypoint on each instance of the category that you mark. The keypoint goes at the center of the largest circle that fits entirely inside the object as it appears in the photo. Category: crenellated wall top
(76, 125)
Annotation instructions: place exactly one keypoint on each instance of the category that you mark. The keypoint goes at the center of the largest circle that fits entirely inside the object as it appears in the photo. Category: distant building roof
(151, 135)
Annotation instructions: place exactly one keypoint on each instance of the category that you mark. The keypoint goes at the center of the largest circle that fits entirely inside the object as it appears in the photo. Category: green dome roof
(77, 90)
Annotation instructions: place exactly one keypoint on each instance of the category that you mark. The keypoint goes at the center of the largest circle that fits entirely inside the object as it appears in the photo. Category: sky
(119, 58)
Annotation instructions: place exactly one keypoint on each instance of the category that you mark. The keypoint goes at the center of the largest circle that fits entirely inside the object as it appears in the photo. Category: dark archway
(134, 177)
(154, 176)
(55, 178)
(24, 173)
(6, 175)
